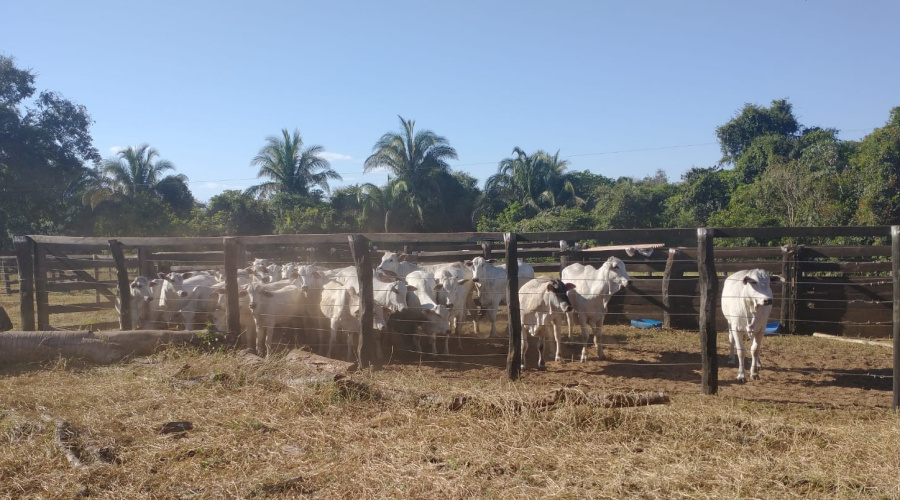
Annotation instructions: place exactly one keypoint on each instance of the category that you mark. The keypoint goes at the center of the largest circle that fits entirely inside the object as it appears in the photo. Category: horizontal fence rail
(837, 289)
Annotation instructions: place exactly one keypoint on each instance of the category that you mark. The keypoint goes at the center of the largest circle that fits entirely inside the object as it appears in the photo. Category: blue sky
(619, 88)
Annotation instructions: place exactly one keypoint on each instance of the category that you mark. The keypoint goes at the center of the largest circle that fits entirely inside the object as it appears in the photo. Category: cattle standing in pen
(594, 287)
(746, 304)
(538, 300)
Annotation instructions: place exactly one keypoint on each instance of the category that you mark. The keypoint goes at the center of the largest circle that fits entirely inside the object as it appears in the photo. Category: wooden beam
(709, 286)
(895, 274)
(125, 319)
(25, 259)
(233, 260)
(770, 233)
(514, 355)
(359, 248)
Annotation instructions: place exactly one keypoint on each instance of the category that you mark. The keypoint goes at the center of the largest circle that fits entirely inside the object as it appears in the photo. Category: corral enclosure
(835, 289)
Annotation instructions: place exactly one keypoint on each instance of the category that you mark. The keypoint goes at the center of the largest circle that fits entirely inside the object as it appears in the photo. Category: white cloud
(117, 149)
(335, 156)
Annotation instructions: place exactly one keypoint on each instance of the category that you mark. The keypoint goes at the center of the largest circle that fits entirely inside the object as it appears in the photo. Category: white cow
(272, 308)
(397, 264)
(538, 300)
(490, 288)
(425, 291)
(455, 279)
(593, 289)
(340, 305)
(141, 290)
(746, 304)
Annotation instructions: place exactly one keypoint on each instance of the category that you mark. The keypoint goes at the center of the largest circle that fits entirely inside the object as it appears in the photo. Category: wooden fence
(850, 290)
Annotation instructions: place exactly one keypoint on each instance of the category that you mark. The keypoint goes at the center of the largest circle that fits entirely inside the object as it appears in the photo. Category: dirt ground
(817, 372)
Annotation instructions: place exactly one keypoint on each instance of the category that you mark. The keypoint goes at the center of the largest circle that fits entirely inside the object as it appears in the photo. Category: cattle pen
(847, 289)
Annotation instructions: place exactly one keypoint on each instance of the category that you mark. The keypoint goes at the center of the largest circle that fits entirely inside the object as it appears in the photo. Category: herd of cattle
(421, 301)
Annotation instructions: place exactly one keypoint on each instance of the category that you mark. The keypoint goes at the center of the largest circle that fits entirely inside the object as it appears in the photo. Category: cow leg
(331, 338)
(732, 335)
(556, 328)
(754, 355)
(542, 365)
(587, 338)
(570, 318)
(352, 345)
(492, 314)
(739, 347)
(525, 336)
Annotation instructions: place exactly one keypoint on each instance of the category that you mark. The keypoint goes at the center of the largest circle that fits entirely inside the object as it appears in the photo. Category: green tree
(391, 207)
(291, 169)
(538, 181)
(876, 167)
(45, 151)
(239, 214)
(418, 158)
(736, 136)
(632, 204)
(139, 171)
(701, 193)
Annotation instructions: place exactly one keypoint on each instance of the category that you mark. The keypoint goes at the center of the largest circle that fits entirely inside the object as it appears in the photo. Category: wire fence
(409, 340)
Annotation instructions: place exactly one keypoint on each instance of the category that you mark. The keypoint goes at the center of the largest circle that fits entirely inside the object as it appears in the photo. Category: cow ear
(221, 291)
(491, 261)
(467, 263)
(748, 280)
(242, 293)
(570, 286)
(152, 283)
(550, 287)
(411, 288)
(186, 275)
(462, 282)
(402, 257)
(161, 276)
(776, 279)
(267, 293)
(439, 286)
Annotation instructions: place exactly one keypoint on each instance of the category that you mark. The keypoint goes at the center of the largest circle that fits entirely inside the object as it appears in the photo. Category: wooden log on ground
(94, 347)
(851, 340)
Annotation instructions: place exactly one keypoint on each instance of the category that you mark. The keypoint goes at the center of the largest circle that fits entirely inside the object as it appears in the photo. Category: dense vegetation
(774, 171)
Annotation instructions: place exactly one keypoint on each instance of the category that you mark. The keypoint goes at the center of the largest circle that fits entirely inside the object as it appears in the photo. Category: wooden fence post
(514, 355)
(6, 277)
(895, 276)
(125, 319)
(359, 249)
(486, 250)
(144, 268)
(709, 288)
(563, 256)
(25, 260)
(233, 257)
(790, 256)
(666, 288)
(41, 295)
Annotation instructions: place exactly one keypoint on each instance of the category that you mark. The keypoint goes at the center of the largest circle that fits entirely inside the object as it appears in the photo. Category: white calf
(746, 304)
(593, 289)
(538, 300)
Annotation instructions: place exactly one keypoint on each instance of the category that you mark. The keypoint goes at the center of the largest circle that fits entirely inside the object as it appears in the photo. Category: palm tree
(388, 203)
(538, 181)
(290, 168)
(415, 158)
(135, 171)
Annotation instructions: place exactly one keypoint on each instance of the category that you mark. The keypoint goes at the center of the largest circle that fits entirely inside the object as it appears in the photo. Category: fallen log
(94, 347)
(852, 340)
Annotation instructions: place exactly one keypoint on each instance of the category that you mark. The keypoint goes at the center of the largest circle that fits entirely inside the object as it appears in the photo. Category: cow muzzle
(767, 302)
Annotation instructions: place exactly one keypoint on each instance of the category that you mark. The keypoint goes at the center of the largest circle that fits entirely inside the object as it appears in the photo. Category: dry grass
(277, 431)
(809, 429)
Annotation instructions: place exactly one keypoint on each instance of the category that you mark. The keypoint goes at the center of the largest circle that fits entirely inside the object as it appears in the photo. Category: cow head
(390, 262)
(757, 287)
(613, 271)
(558, 294)
(478, 266)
